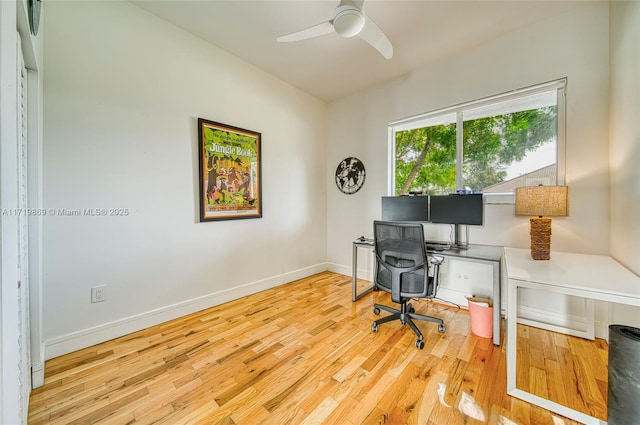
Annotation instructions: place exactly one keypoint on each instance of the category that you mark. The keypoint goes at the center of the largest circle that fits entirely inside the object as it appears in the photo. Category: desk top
(477, 252)
(365, 243)
(598, 276)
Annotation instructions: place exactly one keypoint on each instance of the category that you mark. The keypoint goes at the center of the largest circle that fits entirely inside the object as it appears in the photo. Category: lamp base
(540, 231)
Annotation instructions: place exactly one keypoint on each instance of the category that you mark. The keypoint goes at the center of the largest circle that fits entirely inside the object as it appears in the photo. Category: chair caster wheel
(412, 310)
(440, 328)
(376, 310)
(419, 344)
(374, 327)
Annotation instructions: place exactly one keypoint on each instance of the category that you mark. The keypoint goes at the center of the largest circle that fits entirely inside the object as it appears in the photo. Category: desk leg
(512, 321)
(354, 272)
(497, 302)
(512, 341)
(354, 277)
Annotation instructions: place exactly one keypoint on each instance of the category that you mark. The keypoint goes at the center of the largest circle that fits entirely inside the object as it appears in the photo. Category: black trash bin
(623, 405)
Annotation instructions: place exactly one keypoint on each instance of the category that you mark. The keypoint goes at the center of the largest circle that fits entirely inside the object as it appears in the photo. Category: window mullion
(459, 150)
(561, 137)
(391, 183)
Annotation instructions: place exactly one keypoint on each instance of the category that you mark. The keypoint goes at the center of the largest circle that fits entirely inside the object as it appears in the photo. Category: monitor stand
(457, 244)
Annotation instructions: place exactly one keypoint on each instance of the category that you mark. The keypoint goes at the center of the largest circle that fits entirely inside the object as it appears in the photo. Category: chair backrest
(401, 261)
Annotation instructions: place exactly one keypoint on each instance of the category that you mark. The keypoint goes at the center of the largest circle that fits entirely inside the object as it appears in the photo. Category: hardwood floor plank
(440, 413)
(554, 374)
(429, 398)
(538, 382)
(305, 353)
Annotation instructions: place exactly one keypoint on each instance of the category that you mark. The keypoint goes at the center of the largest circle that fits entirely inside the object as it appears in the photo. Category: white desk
(595, 277)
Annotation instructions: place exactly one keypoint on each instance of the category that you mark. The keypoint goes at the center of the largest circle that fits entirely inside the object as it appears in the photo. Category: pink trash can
(481, 316)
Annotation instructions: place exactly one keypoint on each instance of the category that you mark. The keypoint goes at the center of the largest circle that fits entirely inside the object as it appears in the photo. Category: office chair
(402, 269)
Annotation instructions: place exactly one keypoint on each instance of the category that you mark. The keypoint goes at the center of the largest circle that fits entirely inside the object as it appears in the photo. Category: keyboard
(437, 246)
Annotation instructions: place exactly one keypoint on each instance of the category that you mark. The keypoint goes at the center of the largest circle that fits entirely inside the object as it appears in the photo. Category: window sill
(499, 198)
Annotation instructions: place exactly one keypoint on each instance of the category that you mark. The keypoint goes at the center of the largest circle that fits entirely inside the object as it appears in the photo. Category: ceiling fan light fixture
(348, 21)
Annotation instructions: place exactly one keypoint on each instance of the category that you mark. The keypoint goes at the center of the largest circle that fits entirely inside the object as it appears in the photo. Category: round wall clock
(350, 175)
(34, 15)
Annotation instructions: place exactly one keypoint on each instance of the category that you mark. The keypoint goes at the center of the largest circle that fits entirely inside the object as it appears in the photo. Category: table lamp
(542, 201)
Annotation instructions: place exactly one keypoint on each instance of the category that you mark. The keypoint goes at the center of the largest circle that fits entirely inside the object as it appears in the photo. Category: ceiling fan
(348, 20)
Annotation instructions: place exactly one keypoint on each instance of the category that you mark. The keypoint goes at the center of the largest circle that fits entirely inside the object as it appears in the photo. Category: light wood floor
(302, 353)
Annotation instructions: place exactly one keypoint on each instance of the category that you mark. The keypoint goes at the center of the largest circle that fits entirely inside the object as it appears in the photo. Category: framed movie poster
(230, 181)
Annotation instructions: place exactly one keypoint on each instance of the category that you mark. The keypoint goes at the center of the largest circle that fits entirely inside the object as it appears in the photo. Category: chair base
(406, 314)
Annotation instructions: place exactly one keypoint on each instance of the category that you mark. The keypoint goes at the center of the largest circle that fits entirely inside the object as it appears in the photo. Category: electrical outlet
(98, 294)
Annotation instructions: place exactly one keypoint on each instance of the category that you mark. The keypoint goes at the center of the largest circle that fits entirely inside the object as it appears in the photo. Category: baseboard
(454, 296)
(601, 329)
(541, 315)
(339, 268)
(37, 375)
(363, 274)
(74, 341)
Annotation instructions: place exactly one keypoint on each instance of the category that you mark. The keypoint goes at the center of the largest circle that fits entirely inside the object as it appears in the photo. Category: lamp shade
(542, 201)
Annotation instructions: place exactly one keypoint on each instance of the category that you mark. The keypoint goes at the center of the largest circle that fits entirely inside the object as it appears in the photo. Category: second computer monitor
(457, 209)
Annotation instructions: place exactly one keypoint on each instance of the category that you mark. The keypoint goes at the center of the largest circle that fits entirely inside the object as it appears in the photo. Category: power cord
(458, 306)
(448, 302)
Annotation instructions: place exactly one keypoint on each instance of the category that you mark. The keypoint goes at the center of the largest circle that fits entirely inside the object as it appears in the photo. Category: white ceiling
(330, 67)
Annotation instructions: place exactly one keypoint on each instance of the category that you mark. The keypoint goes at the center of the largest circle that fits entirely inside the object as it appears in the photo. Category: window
(491, 145)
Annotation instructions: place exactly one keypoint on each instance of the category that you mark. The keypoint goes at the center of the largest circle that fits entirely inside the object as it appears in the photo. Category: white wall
(574, 45)
(624, 142)
(624, 134)
(122, 94)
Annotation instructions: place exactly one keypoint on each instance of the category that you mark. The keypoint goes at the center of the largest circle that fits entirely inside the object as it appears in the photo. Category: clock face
(34, 15)
(350, 175)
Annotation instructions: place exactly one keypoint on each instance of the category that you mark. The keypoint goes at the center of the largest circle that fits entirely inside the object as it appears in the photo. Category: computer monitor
(405, 208)
(456, 209)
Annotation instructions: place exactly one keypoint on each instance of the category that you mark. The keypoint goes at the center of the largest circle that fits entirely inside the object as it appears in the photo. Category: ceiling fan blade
(314, 31)
(372, 34)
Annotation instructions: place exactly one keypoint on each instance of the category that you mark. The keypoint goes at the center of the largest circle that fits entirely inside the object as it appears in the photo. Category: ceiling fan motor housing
(348, 21)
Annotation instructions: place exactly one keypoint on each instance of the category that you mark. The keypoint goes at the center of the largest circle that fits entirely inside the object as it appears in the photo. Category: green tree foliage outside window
(425, 158)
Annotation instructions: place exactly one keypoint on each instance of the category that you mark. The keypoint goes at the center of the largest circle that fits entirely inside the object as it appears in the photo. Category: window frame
(421, 120)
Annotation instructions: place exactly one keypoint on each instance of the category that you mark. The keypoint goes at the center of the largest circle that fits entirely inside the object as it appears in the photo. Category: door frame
(13, 20)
